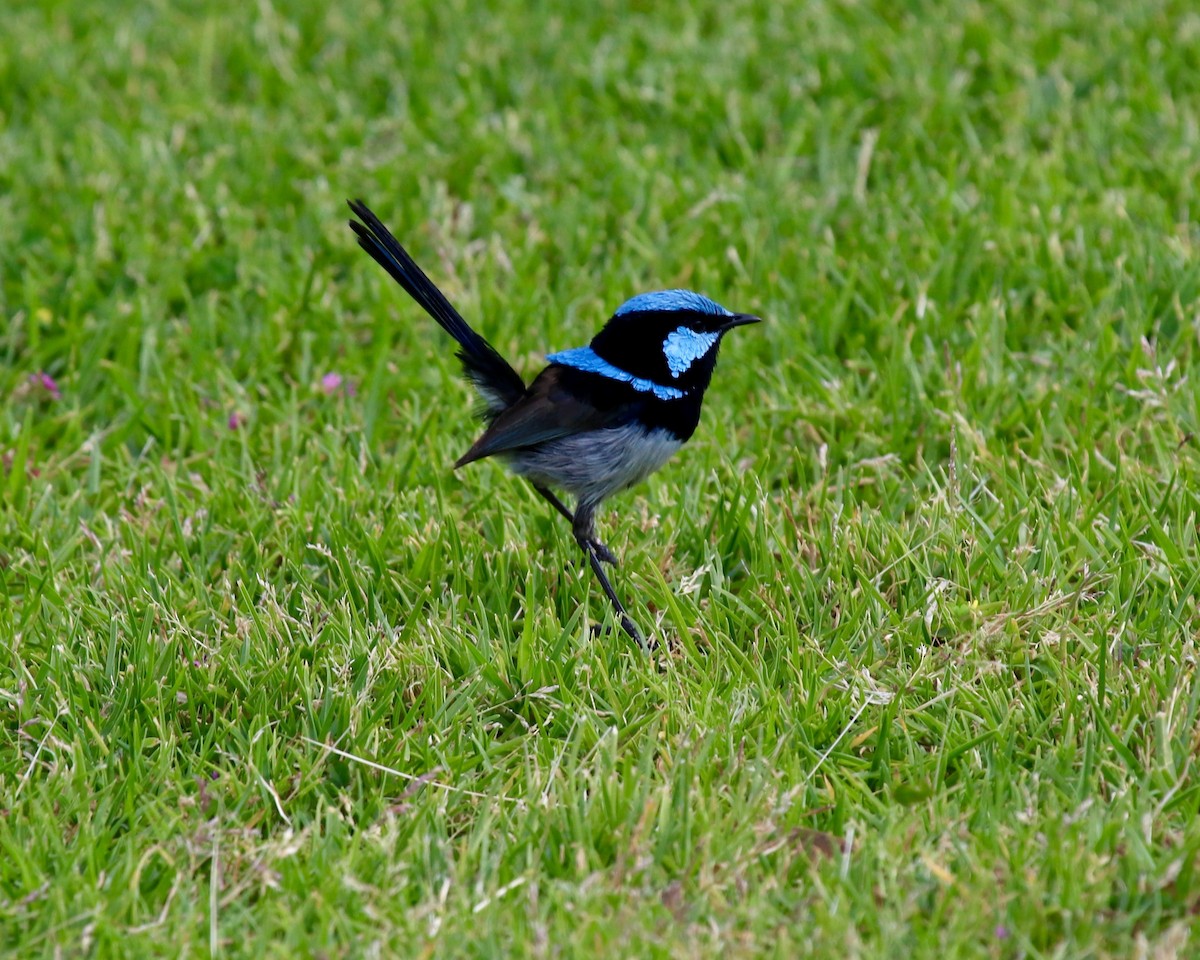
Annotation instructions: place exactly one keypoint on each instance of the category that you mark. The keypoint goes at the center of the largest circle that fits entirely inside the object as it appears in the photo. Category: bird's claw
(648, 644)
(602, 553)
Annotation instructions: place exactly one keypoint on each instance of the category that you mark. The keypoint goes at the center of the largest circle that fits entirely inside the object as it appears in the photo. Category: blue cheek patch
(685, 346)
(586, 359)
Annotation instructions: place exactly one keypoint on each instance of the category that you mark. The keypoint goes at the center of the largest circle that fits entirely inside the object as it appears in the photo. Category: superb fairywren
(599, 418)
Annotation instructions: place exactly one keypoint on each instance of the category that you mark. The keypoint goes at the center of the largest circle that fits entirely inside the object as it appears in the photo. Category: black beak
(740, 320)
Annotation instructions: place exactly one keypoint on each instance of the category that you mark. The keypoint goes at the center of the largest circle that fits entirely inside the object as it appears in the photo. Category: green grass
(927, 574)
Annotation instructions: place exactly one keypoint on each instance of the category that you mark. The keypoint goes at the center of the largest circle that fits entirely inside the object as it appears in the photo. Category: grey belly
(595, 465)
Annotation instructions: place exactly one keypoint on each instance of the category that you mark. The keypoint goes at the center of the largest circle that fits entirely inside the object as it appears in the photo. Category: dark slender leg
(555, 503)
(627, 623)
(585, 536)
(601, 550)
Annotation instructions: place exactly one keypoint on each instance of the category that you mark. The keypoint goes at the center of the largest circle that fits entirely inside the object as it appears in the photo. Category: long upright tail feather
(497, 382)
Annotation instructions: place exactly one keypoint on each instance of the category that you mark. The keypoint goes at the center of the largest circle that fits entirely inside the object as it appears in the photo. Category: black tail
(498, 383)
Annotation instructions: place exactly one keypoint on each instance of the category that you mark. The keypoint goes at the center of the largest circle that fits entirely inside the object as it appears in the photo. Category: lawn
(276, 681)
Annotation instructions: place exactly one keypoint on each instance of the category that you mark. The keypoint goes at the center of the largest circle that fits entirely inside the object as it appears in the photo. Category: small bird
(599, 418)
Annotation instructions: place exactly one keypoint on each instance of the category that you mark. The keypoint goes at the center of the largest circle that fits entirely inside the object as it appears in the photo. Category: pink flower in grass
(331, 383)
(236, 420)
(46, 382)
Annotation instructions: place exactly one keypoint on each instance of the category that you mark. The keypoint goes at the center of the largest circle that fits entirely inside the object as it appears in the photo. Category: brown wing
(549, 409)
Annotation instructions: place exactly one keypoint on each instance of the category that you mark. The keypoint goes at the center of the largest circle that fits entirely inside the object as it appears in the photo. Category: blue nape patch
(672, 300)
(585, 358)
(684, 346)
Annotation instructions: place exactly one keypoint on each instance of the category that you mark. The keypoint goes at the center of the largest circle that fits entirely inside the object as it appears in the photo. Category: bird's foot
(648, 644)
(603, 554)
